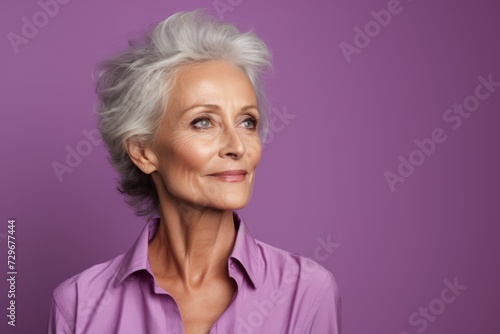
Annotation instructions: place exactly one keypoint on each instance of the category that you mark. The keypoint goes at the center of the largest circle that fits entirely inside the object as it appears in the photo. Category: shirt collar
(245, 251)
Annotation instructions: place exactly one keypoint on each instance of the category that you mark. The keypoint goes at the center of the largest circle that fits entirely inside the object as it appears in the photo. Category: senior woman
(182, 114)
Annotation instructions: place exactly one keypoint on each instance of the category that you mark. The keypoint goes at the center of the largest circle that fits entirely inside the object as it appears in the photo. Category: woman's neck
(192, 244)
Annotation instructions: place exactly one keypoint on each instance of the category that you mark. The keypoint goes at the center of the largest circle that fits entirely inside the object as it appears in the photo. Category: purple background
(321, 175)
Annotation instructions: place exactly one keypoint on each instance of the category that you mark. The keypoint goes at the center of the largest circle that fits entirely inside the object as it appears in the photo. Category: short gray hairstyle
(133, 88)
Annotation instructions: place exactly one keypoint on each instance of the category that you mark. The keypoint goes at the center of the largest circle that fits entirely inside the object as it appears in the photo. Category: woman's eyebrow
(250, 107)
(209, 106)
(216, 107)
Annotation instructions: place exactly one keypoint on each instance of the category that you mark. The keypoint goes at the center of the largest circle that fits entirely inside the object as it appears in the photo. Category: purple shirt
(277, 292)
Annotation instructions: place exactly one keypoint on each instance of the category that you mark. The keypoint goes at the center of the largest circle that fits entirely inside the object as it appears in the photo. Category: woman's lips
(231, 175)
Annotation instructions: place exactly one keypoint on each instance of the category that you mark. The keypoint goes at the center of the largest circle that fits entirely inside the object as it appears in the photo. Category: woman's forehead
(212, 84)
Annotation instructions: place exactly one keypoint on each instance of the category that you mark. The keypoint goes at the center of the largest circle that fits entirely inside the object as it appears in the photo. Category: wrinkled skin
(208, 127)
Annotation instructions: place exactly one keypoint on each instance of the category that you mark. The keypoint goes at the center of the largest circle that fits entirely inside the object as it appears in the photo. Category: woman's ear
(142, 156)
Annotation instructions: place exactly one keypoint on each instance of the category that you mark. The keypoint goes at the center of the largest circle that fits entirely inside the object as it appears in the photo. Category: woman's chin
(227, 202)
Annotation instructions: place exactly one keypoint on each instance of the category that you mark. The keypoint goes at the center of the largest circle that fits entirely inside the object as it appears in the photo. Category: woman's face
(209, 127)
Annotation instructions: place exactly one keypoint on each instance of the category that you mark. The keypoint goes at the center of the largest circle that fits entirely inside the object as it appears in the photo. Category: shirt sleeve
(325, 315)
(57, 322)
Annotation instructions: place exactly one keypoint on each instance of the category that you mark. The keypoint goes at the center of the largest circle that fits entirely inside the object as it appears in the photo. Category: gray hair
(133, 88)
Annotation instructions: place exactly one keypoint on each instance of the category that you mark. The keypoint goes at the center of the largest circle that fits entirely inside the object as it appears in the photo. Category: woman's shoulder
(92, 278)
(296, 277)
(76, 298)
(295, 267)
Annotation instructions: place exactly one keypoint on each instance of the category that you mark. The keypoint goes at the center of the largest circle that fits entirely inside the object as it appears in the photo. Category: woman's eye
(202, 123)
(250, 123)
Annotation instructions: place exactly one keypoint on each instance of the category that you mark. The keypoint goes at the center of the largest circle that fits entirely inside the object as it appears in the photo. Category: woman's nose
(231, 143)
